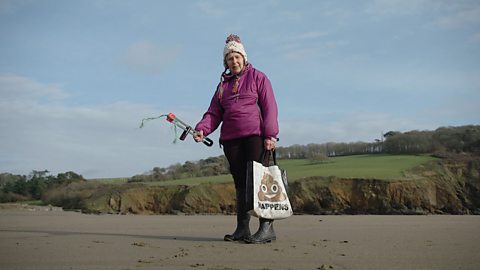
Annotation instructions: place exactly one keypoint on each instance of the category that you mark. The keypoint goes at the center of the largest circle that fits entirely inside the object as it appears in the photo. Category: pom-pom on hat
(233, 44)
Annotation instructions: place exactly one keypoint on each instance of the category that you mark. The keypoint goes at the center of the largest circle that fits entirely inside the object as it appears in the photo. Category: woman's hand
(270, 144)
(198, 136)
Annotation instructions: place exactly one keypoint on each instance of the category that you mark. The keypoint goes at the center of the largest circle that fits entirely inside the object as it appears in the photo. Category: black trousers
(238, 153)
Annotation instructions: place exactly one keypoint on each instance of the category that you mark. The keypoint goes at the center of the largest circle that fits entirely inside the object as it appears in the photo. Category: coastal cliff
(450, 185)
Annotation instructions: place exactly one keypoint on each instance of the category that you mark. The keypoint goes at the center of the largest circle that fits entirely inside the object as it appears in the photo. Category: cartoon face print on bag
(270, 190)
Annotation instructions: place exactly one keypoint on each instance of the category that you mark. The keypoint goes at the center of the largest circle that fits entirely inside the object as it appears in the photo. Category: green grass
(120, 180)
(184, 181)
(194, 180)
(385, 167)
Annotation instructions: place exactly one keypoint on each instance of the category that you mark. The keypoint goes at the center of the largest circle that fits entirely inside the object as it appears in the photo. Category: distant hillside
(375, 177)
(448, 185)
(442, 141)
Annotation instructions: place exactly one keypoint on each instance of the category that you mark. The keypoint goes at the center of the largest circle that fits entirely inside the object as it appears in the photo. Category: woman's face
(235, 62)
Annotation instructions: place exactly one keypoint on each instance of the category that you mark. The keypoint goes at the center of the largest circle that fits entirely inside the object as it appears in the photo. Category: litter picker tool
(187, 129)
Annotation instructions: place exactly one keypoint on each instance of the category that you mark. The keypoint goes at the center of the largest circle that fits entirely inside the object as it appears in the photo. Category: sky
(77, 77)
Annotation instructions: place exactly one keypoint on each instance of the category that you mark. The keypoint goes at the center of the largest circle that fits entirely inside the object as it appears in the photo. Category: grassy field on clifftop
(386, 167)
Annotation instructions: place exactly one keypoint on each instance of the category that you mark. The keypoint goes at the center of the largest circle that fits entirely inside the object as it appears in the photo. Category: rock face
(141, 199)
(445, 186)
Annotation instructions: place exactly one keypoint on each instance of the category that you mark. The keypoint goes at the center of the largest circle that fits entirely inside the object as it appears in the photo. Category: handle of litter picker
(189, 130)
(186, 129)
(207, 141)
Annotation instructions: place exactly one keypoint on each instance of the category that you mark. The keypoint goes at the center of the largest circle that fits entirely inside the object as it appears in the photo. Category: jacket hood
(229, 76)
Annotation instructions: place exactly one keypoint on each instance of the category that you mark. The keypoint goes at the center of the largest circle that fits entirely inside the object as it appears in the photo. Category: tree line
(205, 167)
(33, 187)
(443, 139)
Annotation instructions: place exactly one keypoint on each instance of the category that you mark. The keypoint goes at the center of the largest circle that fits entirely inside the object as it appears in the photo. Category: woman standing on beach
(245, 105)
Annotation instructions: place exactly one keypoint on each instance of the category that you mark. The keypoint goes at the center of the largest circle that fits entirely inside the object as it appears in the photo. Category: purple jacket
(252, 111)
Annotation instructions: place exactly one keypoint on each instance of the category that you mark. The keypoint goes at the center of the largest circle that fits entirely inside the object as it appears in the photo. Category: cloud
(398, 7)
(475, 37)
(345, 127)
(467, 15)
(309, 45)
(149, 58)
(310, 35)
(445, 14)
(95, 141)
(13, 87)
(209, 8)
(10, 6)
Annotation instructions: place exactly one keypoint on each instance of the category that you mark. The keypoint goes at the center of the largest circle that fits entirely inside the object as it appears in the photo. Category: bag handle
(269, 152)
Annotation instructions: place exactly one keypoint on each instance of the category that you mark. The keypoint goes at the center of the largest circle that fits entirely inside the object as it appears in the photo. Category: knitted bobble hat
(233, 44)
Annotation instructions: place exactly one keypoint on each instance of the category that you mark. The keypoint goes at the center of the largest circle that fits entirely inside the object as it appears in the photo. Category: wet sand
(41, 239)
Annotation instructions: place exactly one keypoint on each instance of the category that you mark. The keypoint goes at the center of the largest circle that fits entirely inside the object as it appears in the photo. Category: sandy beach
(48, 238)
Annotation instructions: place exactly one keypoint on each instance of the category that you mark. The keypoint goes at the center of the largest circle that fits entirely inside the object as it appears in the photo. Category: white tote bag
(269, 188)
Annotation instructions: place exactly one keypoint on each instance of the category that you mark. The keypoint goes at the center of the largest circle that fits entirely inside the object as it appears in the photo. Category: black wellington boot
(265, 233)
(243, 221)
